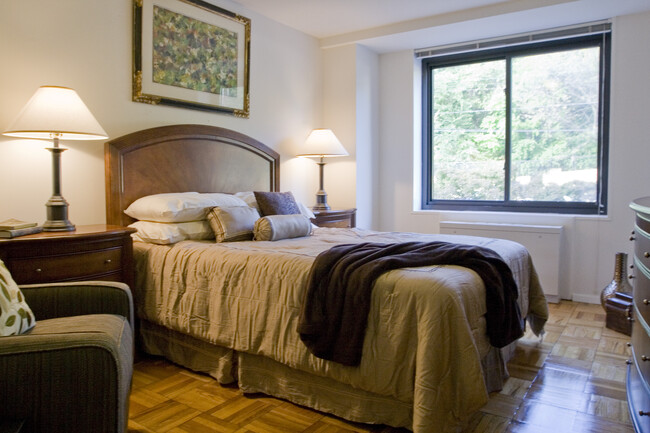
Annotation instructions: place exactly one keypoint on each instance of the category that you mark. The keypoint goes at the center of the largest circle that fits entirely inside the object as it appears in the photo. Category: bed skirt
(259, 374)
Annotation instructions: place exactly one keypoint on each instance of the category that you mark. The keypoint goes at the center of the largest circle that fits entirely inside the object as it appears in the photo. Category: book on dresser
(12, 233)
(15, 224)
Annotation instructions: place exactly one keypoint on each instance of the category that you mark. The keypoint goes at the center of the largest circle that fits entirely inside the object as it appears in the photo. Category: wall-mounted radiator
(543, 242)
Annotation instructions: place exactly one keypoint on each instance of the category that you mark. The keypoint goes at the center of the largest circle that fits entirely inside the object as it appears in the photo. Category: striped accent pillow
(233, 223)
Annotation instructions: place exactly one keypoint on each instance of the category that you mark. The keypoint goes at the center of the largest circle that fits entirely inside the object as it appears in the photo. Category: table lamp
(56, 113)
(322, 143)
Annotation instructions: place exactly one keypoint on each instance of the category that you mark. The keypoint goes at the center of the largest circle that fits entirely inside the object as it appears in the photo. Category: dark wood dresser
(93, 252)
(638, 372)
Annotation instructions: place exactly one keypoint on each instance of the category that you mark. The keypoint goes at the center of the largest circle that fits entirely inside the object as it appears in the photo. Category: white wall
(350, 109)
(590, 242)
(87, 45)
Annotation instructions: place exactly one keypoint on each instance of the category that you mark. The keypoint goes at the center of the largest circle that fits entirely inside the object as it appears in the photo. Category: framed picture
(192, 54)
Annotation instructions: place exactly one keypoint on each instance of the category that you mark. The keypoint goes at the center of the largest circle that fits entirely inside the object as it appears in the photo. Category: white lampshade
(56, 111)
(323, 143)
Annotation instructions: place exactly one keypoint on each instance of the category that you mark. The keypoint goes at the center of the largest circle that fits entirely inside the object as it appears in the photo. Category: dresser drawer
(67, 267)
(638, 400)
(642, 245)
(641, 285)
(641, 348)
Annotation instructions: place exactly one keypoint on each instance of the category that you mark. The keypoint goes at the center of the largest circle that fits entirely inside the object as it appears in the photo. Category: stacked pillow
(173, 217)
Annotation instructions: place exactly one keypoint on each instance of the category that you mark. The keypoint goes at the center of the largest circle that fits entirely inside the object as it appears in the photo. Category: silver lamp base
(321, 201)
(57, 216)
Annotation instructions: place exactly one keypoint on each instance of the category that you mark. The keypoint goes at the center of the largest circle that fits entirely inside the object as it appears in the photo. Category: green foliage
(554, 127)
(192, 54)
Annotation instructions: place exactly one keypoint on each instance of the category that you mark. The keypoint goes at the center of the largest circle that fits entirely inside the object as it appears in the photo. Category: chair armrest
(69, 374)
(52, 300)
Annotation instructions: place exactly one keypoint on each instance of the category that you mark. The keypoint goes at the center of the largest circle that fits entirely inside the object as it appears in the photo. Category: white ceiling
(391, 25)
(324, 18)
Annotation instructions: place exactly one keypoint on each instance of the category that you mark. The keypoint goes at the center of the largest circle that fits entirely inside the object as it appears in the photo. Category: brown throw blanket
(334, 314)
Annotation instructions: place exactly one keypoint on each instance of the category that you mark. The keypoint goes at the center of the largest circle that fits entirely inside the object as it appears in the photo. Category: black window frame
(602, 40)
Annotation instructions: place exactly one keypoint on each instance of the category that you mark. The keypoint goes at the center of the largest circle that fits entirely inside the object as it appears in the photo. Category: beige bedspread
(426, 332)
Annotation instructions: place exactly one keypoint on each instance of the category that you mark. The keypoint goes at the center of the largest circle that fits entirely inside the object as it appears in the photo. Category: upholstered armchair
(72, 372)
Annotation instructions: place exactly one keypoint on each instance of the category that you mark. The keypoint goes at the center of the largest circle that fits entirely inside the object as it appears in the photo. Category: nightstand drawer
(335, 218)
(67, 267)
(93, 252)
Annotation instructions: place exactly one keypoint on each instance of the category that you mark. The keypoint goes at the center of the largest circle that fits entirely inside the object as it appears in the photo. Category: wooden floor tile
(516, 387)
(502, 405)
(615, 345)
(571, 381)
(165, 416)
(606, 388)
(610, 367)
(546, 415)
(589, 332)
(555, 376)
(609, 408)
(487, 423)
(587, 316)
(559, 397)
(594, 424)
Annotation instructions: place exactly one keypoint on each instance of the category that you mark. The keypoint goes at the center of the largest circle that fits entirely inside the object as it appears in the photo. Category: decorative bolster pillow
(233, 223)
(276, 227)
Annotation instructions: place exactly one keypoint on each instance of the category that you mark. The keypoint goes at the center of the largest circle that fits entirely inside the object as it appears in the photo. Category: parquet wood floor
(572, 381)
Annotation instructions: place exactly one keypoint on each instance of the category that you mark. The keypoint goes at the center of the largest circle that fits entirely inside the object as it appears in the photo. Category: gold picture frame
(185, 57)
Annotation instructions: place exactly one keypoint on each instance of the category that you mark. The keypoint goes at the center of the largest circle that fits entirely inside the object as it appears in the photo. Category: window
(519, 128)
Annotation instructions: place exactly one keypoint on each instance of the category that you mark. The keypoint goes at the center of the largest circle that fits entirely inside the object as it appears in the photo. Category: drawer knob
(642, 413)
(632, 237)
(631, 277)
(646, 254)
(646, 302)
(39, 270)
(107, 261)
(628, 361)
(644, 358)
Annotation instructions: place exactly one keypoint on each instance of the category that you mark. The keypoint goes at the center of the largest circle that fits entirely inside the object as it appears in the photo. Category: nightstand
(93, 252)
(346, 218)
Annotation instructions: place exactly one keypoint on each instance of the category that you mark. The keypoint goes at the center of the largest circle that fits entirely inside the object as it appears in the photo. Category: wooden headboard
(181, 158)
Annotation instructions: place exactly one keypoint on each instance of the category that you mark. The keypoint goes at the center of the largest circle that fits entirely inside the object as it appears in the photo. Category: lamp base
(57, 216)
(321, 201)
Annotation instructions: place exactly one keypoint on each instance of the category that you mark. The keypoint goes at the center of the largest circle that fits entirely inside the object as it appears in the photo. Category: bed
(231, 309)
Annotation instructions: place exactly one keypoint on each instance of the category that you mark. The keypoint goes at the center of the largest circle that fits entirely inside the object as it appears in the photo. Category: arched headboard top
(181, 158)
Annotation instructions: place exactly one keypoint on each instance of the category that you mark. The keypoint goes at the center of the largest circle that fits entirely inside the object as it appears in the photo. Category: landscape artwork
(186, 58)
(192, 54)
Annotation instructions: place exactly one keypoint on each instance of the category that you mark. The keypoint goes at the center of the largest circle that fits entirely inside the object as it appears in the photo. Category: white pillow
(179, 207)
(170, 233)
(249, 198)
(15, 315)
